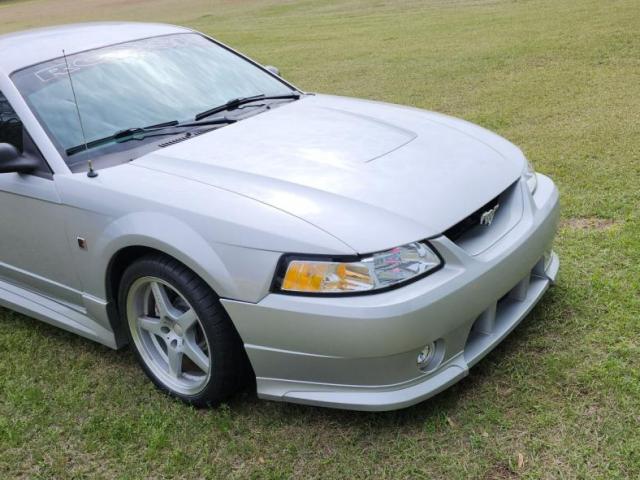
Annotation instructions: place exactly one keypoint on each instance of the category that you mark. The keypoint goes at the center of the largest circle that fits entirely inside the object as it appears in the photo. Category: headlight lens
(372, 272)
(530, 177)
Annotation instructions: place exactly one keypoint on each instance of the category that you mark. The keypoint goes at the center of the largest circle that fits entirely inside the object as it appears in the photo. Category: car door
(34, 249)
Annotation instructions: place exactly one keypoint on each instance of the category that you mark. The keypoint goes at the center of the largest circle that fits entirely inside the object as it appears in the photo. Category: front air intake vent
(473, 220)
(489, 223)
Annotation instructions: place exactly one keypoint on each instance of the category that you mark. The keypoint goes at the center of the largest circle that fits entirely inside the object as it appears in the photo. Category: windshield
(137, 84)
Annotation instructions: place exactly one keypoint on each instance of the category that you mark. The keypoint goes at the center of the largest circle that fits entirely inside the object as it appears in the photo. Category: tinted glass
(138, 84)
(10, 124)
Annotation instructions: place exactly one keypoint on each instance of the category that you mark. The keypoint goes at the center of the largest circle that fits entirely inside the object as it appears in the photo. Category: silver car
(161, 190)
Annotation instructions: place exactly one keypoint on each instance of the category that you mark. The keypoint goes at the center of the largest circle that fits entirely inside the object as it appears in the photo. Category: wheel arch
(116, 267)
(119, 263)
(156, 233)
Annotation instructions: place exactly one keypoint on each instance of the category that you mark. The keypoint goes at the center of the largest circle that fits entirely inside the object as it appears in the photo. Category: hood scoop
(312, 134)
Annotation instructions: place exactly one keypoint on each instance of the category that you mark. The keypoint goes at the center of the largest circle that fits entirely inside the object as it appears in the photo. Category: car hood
(373, 175)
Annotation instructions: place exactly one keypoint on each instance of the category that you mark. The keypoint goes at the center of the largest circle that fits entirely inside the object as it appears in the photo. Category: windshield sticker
(78, 62)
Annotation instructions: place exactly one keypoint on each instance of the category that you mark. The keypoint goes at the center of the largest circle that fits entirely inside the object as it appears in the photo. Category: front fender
(232, 242)
(234, 277)
(170, 236)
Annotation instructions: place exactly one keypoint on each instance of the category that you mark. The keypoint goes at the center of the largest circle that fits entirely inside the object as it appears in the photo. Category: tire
(182, 337)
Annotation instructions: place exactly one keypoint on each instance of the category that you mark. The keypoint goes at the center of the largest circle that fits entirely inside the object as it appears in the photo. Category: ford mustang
(161, 190)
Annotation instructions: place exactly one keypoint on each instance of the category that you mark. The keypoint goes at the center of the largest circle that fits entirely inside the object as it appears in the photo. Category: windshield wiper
(140, 133)
(132, 132)
(237, 102)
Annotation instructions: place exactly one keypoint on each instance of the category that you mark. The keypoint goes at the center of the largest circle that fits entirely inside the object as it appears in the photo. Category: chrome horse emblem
(487, 217)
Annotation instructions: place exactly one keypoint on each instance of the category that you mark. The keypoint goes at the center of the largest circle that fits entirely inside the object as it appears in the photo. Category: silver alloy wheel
(168, 335)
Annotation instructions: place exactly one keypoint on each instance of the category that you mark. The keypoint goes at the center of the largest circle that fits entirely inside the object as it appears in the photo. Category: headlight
(352, 275)
(530, 176)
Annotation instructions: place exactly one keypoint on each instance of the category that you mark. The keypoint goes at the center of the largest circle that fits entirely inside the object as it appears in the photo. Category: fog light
(426, 356)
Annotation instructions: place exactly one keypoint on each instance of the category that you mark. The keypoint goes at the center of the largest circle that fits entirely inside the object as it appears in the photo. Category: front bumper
(360, 352)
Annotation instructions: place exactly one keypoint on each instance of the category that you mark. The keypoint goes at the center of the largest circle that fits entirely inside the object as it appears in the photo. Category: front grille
(473, 220)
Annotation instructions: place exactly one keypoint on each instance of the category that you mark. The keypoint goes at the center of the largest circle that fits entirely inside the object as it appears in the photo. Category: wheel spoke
(195, 354)
(187, 319)
(151, 325)
(175, 361)
(162, 300)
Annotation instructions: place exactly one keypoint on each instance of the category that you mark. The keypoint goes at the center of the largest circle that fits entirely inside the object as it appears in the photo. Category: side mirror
(272, 69)
(12, 161)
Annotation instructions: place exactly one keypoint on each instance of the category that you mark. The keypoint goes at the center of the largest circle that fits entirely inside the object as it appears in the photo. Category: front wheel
(183, 339)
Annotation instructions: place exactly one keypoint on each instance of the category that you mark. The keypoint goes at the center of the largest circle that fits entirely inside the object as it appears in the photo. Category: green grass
(560, 398)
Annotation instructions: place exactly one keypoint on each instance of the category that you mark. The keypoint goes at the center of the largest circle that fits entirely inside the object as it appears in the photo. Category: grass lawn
(560, 398)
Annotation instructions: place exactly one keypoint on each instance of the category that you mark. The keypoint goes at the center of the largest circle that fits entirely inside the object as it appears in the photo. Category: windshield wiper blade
(127, 132)
(140, 133)
(237, 102)
(214, 121)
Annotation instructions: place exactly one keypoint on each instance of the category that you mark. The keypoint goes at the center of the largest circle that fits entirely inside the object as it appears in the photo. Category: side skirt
(54, 313)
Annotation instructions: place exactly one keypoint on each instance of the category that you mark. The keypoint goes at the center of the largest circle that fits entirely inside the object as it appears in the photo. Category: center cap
(178, 330)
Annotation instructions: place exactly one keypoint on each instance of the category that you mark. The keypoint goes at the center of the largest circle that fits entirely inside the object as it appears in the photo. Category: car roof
(30, 47)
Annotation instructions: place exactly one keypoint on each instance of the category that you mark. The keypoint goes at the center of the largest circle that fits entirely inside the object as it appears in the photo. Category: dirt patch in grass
(589, 223)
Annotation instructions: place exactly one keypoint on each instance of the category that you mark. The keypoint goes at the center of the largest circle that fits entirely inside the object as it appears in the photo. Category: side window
(10, 125)
(13, 132)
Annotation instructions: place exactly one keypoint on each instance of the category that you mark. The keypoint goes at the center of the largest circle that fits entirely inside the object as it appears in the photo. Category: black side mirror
(12, 161)
(272, 69)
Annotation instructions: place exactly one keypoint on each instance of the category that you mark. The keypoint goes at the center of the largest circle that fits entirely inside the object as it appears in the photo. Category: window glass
(10, 124)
